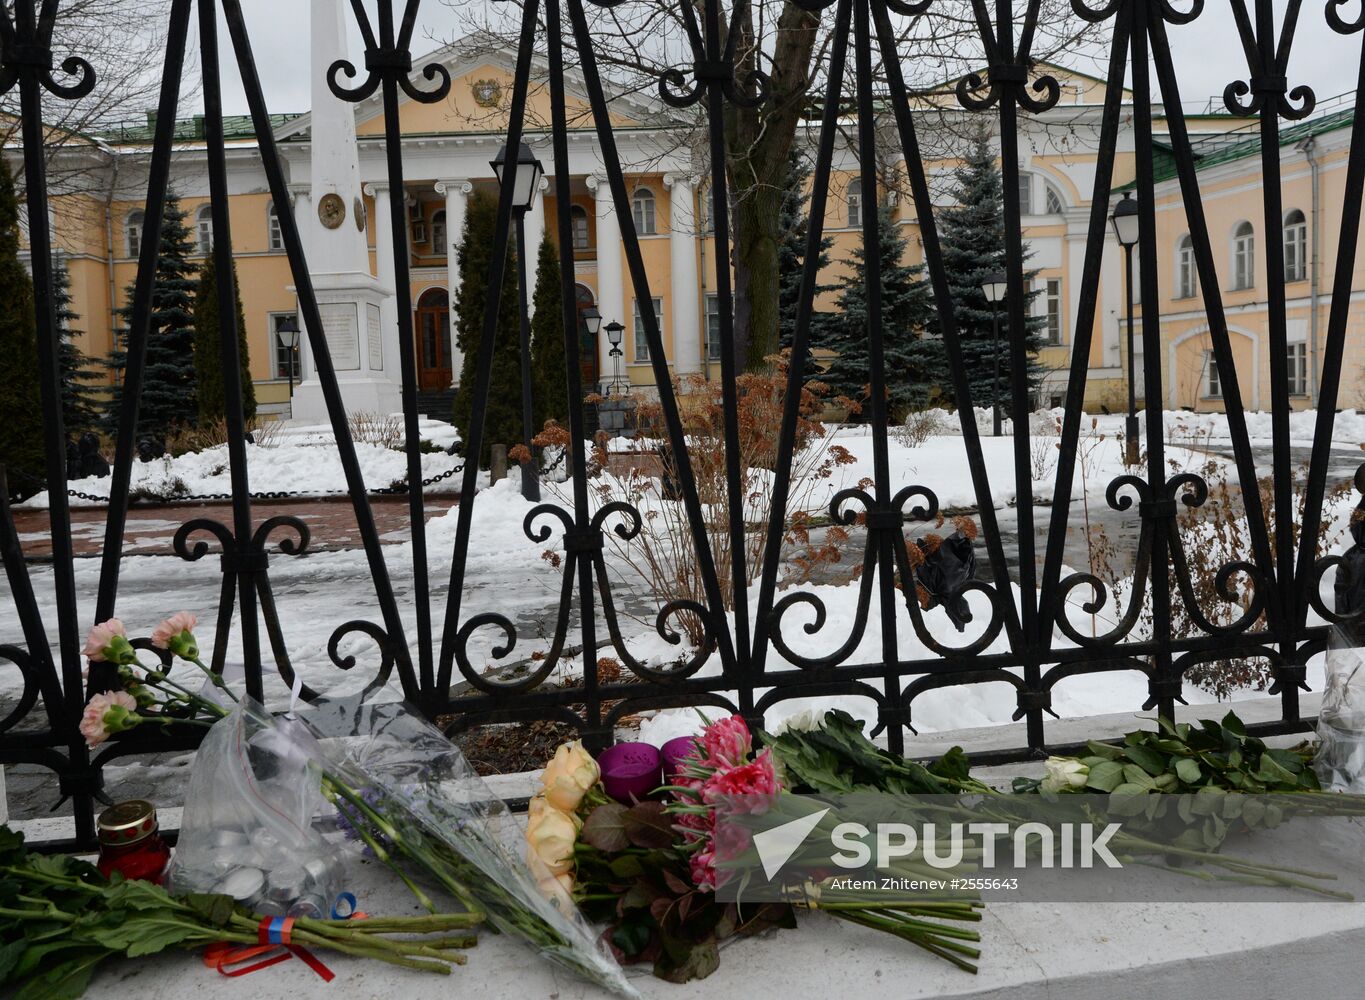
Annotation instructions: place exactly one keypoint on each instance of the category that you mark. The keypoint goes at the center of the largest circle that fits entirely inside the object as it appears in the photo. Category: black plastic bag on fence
(945, 568)
(1350, 585)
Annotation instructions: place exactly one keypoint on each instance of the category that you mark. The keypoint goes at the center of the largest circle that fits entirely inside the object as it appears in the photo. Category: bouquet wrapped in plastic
(410, 796)
(1340, 760)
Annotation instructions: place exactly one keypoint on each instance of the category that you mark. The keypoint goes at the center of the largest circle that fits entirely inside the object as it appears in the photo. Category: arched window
(578, 225)
(132, 231)
(1243, 256)
(438, 232)
(1054, 203)
(855, 203)
(1295, 246)
(1184, 268)
(642, 209)
(203, 225)
(272, 222)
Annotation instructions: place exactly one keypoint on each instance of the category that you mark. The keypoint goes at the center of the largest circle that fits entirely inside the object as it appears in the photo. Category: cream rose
(550, 837)
(1064, 774)
(569, 775)
(558, 889)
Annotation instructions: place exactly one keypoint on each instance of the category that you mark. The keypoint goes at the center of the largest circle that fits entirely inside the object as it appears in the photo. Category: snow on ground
(506, 573)
(300, 459)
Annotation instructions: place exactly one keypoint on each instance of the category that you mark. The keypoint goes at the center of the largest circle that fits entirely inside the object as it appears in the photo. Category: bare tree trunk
(760, 143)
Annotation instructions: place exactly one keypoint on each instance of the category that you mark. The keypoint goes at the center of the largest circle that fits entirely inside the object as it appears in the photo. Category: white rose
(1064, 774)
(550, 838)
(569, 775)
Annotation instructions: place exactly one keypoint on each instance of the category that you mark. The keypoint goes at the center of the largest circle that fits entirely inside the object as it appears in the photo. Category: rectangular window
(1298, 369)
(1054, 310)
(579, 219)
(1295, 255)
(1025, 194)
(1213, 389)
(276, 236)
(712, 327)
(641, 343)
(286, 358)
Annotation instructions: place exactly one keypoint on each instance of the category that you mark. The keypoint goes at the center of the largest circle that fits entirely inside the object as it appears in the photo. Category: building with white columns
(335, 158)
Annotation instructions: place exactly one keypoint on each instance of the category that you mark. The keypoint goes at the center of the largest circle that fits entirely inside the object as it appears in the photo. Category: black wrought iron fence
(1276, 589)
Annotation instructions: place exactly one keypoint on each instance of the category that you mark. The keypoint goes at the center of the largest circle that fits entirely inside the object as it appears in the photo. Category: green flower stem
(335, 789)
(949, 951)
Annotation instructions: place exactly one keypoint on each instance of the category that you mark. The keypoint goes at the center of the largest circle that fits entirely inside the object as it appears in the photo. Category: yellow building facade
(448, 147)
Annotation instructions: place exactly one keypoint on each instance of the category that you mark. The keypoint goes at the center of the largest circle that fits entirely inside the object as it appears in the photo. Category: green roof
(1224, 147)
(189, 129)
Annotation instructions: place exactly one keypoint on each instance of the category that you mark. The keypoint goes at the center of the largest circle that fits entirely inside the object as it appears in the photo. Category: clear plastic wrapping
(414, 794)
(248, 825)
(1340, 760)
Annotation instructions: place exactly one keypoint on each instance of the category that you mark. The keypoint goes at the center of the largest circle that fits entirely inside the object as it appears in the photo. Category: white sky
(1207, 53)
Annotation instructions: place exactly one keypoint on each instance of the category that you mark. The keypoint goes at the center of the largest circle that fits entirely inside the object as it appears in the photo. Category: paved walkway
(150, 528)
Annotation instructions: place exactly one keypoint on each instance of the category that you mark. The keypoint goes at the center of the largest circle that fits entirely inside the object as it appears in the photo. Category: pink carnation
(748, 788)
(99, 637)
(106, 714)
(172, 628)
(727, 742)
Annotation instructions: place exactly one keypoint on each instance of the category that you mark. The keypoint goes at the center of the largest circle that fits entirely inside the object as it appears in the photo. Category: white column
(456, 191)
(611, 301)
(301, 204)
(383, 261)
(685, 288)
(535, 232)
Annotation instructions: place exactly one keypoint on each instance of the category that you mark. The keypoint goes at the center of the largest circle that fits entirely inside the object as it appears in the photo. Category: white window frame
(1025, 193)
(203, 229)
(640, 355)
(644, 210)
(1295, 245)
(1213, 386)
(1052, 311)
(853, 199)
(1186, 274)
(134, 229)
(1243, 256)
(1297, 361)
(274, 234)
(710, 337)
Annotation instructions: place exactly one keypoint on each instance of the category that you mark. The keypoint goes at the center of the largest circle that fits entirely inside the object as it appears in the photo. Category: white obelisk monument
(331, 216)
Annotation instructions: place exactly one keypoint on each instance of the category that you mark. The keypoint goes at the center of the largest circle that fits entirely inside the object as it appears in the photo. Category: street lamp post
(1125, 222)
(614, 333)
(525, 176)
(995, 286)
(288, 332)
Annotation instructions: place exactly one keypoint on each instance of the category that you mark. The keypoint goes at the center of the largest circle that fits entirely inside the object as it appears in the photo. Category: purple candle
(675, 752)
(630, 771)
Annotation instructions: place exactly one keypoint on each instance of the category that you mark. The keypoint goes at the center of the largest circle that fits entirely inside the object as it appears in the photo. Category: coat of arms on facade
(487, 93)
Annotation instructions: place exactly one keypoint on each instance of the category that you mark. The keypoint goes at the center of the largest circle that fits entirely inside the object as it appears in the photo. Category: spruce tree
(208, 358)
(82, 398)
(794, 223)
(169, 386)
(549, 387)
(972, 235)
(21, 414)
(502, 415)
(912, 354)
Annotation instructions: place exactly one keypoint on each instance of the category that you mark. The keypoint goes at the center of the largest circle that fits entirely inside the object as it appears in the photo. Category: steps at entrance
(437, 404)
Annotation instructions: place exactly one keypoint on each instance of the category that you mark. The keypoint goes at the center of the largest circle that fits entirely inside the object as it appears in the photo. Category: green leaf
(1187, 770)
(1104, 750)
(67, 981)
(1134, 775)
(1149, 760)
(632, 935)
(146, 935)
(1105, 776)
(627, 866)
(10, 954)
(605, 828)
(1234, 725)
(215, 908)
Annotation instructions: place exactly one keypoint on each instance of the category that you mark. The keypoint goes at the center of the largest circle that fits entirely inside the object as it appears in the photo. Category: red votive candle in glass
(630, 771)
(130, 842)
